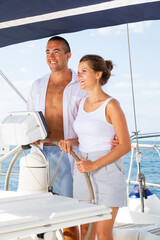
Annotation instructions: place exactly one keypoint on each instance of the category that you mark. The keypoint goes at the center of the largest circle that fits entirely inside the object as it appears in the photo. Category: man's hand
(114, 143)
(66, 146)
(37, 142)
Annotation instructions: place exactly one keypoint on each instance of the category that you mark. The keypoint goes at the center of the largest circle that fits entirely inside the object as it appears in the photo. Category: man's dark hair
(64, 41)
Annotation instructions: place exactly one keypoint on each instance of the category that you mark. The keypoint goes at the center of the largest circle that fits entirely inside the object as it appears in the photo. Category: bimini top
(34, 19)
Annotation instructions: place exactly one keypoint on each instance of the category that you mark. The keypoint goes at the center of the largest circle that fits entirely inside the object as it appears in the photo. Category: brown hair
(98, 64)
(64, 41)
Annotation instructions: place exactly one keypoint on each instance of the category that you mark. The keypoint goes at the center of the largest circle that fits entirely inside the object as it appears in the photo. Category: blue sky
(24, 63)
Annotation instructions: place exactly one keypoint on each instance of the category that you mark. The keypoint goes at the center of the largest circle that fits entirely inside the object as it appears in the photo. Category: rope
(90, 188)
(56, 170)
(88, 234)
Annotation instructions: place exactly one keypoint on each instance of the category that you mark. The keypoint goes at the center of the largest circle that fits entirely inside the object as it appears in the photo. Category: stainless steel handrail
(138, 159)
(145, 135)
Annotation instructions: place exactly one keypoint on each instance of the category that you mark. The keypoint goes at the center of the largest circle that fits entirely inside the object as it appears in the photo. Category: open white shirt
(71, 97)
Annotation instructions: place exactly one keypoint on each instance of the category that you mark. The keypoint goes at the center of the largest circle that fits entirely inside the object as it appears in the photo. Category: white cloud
(26, 83)
(123, 85)
(154, 93)
(154, 84)
(105, 31)
(117, 30)
(139, 27)
(127, 76)
(23, 86)
(23, 69)
(92, 34)
(136, 27)
(32, 45)
(22, 51)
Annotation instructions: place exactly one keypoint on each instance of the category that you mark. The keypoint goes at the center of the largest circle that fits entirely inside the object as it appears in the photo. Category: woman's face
(86, 76)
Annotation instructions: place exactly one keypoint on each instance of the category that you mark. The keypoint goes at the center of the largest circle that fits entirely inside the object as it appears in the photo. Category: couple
(99, 117)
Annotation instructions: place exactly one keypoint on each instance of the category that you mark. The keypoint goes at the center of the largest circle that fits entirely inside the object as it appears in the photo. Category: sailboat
(34, 20)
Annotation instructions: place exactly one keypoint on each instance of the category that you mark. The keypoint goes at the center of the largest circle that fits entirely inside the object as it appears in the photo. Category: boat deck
(134, 231)
(25, 215)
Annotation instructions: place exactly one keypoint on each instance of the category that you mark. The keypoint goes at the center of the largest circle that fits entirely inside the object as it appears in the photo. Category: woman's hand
(85, 165)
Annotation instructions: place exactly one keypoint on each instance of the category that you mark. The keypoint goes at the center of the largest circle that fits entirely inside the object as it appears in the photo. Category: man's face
(56, 57)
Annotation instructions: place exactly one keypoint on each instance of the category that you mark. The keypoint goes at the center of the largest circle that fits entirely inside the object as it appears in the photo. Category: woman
(99, 118)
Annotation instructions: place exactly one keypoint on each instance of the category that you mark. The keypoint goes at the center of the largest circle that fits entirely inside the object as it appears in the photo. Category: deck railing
(141, 148)
(144, 147)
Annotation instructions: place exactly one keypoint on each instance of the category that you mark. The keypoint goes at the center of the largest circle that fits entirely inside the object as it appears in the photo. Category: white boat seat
(152, 234)
(133, 231)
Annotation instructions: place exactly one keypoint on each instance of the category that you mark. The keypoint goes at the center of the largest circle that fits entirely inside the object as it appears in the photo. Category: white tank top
(92, 128)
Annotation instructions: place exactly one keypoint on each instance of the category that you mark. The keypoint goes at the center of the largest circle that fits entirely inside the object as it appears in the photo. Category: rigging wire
(12, 86)
(140, 176)
(132, 86)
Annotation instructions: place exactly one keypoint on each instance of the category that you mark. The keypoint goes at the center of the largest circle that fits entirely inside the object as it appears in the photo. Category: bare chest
(54, 112)
(54, 96)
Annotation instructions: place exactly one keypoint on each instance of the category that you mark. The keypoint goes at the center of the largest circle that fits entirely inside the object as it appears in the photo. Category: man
(57, 95)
